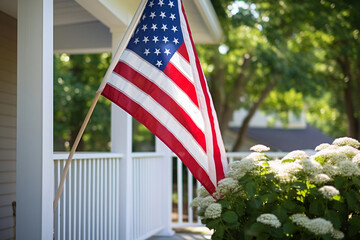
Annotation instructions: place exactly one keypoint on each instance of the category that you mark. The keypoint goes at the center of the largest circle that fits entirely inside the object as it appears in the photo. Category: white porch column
(166, 193)
(121, 142)
(34, 170)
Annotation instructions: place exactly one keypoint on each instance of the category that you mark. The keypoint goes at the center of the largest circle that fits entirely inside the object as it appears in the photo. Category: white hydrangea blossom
(300, 219)
(297, 154)
(332, 156)
(202, 192)
(246, 165)
(227, 185)
(213, 211)
(319, 226)
(337, 234)
(349, 151)
(206, 201)
(329, 192)
(285, 171)
(331, 170)
(349, 169)
(322, 146)
(320, 178)
(311, 166)
(259, 148)
(356, 159)
(235, 173)
(196, 202)
(256, 156)
(269, 219)
(346, 141)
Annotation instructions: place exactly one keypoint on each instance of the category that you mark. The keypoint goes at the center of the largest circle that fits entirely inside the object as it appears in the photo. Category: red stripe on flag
(179, 79)
(182, 50)
(139, 113)
(163, 99)
(217, 154)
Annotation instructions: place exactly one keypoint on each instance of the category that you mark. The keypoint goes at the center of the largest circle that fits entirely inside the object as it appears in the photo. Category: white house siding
(8, 53)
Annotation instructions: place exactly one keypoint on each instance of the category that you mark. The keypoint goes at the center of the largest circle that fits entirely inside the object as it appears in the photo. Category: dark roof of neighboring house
(289, 139)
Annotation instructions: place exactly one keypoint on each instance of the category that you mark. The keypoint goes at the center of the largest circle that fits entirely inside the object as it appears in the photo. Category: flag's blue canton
(158, 34)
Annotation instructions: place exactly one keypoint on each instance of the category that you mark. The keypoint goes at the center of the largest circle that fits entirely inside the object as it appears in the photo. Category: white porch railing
(89, 205)
(183, 214)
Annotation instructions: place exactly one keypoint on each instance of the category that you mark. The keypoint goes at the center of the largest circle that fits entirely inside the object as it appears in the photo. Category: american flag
(159, 81)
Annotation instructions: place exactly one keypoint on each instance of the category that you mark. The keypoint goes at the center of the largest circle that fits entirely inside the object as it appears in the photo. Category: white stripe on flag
(166, 84)
(183, 66)
(201, 97)
(162, 115)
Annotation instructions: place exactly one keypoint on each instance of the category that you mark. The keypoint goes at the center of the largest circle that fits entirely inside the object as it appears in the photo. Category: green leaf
(289, 227)
(224, 203)
(269, 197)
(265, 164)
(339, 182)
(255, 203)
(316, 207)
(354, 228)
(288, 204)
(213, 224)
(351, 201)
(334, 218)
(219, 233)
(288, 160)
(250, 188)
(300, 185)
(229, 216)
(281, 213)
(356, 181)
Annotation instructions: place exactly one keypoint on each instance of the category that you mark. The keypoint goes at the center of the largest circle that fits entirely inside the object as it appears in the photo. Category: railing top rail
(87, 155)
(146, 154)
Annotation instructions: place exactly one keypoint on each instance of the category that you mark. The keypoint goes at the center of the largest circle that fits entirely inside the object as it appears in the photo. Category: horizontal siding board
(7, 177)
(7, 233)
(8, 65)
(7, 77)
(6, 222)
(7, 121)
(7, 143)
(8, 86)
(6, 154)
(8, 98)
(7, 188)
(7, 199)
(7, 132)
(7, 110)
(6, 211)
(7, 165)
(8, 27)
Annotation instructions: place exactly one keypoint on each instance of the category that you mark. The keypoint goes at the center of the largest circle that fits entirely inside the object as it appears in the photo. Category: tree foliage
(76, 80)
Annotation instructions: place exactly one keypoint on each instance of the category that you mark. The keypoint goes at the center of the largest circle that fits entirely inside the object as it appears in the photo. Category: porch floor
(193, 233)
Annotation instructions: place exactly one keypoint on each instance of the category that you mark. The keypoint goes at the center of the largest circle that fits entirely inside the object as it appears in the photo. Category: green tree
(254, 64)
(76, 80)
(335, 28)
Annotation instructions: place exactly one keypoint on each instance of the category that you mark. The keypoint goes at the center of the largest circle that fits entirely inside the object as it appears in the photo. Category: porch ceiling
(84, 26)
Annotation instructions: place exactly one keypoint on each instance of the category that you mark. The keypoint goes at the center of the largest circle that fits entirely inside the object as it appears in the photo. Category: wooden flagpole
(117, 55)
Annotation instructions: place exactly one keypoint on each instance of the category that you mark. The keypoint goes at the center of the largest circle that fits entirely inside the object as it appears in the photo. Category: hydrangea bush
(297, 197)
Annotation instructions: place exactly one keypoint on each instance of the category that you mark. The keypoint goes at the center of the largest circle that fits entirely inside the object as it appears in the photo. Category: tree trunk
(251, 113)
(358, 97)
(352, 130)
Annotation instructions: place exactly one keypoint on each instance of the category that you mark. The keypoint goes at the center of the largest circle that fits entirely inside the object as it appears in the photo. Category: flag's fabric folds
(159, 81)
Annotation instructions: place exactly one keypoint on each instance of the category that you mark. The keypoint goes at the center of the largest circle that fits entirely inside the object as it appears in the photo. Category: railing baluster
(190, 197)
(180, 190)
